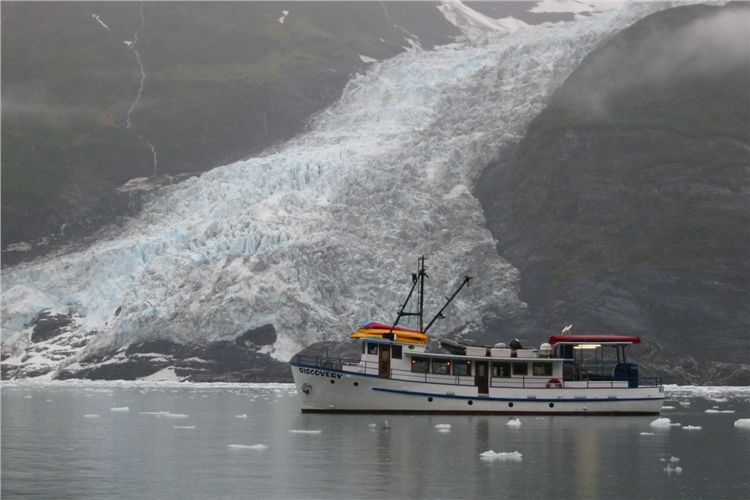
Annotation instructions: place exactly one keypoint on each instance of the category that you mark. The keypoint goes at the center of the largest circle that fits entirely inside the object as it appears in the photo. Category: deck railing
(523, 382)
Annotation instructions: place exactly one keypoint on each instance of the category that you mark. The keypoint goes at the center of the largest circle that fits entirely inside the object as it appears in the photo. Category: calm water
(51, 450)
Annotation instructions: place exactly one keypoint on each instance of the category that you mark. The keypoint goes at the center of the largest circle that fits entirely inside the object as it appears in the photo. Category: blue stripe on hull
(524, 400)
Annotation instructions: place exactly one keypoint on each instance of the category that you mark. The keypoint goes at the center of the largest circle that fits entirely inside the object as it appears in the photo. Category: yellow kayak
(401, 336)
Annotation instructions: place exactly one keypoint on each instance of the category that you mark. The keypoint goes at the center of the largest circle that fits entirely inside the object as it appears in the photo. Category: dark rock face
(636, 221)
(223, 81)
(48, 325)
(264, 335)
(221, 361)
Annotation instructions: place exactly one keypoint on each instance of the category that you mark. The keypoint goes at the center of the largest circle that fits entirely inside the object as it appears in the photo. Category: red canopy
(594, 339)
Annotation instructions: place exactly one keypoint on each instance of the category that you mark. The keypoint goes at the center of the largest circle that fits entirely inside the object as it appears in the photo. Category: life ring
(554, 383)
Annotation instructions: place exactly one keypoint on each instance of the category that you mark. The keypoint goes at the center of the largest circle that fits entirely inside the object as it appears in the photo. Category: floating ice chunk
(514, 422)
(661, 423)
(443, 426)
(259, 446)
(164, 414)
(501, 456)
(444, 431)
(674, 460)
(719, 400)
(183, 427)
(673, 470)
(120, 409)
(675, 424)
(667, 407)
(372, 426)
(244, 415)
(367, 59)
(386, 424)
(742, 423)
(691, 427)
(91, 415)
(684, 403)
(304, 431)
(647, 433)
(27, 397)
(713, 410)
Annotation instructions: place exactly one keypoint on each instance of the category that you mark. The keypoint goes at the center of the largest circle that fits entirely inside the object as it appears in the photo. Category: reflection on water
(50, 450)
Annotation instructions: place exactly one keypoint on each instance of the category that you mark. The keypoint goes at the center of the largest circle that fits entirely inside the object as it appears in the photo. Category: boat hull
(339, 391)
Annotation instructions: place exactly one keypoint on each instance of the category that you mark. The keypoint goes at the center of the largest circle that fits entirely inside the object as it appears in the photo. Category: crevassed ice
(320, 233)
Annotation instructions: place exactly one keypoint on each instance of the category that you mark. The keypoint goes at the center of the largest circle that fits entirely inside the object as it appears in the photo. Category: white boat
(568, 375)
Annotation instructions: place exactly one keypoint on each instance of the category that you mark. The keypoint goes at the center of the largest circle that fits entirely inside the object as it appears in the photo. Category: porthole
(429, 399)
(333, 381)
(510, 405)
(552, 405)
(471, 402)
(356, 384)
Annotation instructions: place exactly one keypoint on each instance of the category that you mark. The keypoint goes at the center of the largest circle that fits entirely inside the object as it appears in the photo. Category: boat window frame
(506, 364)
(446, 363)
(423, 359)
(372, 349)
(515, 368)
(547, 369)
(461, 362)
(397, 349)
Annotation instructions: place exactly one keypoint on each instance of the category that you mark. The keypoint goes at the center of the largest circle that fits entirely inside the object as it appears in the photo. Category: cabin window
(441, 367)
(461, 368)
(520, 369)
(419, 365)
(396, 352)
(542, 369)
(364, 347)
(500, 370)
(372, 348)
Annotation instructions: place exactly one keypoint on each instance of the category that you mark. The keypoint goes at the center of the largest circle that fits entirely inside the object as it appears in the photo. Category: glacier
(322, 231)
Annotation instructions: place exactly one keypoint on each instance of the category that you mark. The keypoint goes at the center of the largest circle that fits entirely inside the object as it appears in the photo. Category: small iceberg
(667, 407)
(303, 431)
(673, 460)
(501, 456)
(443, 426)
(673, 470)
(712, 410)
(661, 423)
(647, 433)
(691, 427)
(164, 414)
(91, 415)
(371, 425)
(120, 409)
(244, 415)
(742, 423)
(183, 427)
(514, 422)
(259, 446)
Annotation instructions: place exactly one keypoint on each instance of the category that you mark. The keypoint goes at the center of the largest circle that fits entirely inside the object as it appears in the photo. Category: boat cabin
(575, 360)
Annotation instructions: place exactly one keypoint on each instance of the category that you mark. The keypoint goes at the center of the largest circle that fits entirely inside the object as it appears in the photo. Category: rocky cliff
(626, 206)
(96, 94)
